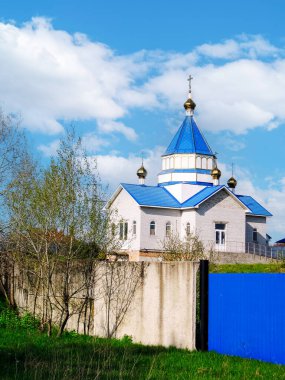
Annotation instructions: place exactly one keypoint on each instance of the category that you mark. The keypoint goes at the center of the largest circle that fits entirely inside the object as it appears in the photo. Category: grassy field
(248, 268)
(27, 354)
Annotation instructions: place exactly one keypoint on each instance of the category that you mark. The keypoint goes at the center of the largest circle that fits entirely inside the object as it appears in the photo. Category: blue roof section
(158, 196)
(201, 196)
(189, 139)
(253, 205)
(151, 196)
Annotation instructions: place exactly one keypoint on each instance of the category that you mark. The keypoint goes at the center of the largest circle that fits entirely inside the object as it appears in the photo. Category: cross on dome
(189, 105)
(189, 80)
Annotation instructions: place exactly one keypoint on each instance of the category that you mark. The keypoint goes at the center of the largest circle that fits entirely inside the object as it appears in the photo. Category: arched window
(188, 230)
(168, 229)
(210, 163)
(134, 227)
(123, 230)
(198, 162)
(204, 163)
(152, 228)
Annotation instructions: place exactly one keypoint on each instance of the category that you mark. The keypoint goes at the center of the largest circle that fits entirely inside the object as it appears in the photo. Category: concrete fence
(154, 303)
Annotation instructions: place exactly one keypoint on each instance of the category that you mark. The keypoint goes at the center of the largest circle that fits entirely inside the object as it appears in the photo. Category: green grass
(27, 354)
(247, 268)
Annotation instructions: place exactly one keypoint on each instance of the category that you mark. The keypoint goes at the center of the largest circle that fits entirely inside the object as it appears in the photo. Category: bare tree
(189, 248)
(120, 281)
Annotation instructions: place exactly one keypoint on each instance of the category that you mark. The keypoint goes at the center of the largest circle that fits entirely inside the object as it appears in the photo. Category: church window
(168, 229)
(167, 163)
(198, 162)
(210, 163)
(184, 162)
(220, 226)
(204, 163)
(254, 235)
(152, 228)
(188, 231)
(123, 230)
(134, 227)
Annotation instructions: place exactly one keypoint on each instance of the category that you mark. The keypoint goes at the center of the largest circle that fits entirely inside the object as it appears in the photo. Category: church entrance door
(220, 236)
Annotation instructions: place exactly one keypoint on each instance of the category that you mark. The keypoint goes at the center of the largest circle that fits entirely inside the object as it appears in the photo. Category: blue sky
(117, 70)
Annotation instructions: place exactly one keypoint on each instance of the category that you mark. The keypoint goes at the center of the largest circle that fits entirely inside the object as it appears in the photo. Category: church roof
(253, 205)
(151, 196)
(158, 196)
(189, 139)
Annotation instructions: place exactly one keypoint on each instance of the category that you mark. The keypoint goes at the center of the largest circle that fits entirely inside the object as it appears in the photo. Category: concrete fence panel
(162, 310)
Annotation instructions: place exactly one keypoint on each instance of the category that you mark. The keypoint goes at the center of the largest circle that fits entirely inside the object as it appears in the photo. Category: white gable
(183, 191)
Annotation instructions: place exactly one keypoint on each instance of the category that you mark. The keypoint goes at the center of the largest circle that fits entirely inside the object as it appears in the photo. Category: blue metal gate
(247, 315)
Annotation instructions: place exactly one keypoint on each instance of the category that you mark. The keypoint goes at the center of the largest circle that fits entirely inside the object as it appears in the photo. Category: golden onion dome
(141, 172)
(232, 182)
(189, 104)
(216, 173)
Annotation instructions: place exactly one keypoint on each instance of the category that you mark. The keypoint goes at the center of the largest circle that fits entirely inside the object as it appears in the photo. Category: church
(188, 199)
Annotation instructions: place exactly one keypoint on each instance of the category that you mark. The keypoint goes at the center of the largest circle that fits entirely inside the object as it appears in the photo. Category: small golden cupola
(232, 182)
(216, 173)
(141, 173)
(189, 105)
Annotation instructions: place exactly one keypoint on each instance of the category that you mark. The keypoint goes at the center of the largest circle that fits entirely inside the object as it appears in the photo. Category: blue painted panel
(247, 315)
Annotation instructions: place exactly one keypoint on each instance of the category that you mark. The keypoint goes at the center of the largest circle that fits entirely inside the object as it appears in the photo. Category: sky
(118, 71)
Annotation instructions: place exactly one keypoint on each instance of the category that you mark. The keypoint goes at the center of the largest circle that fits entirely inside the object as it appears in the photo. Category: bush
(10, 318)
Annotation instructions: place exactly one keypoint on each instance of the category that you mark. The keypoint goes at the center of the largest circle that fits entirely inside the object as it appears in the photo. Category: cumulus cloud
(49, 76)
(49, 149)
(243, 46)
(114, 168)
(115, 126)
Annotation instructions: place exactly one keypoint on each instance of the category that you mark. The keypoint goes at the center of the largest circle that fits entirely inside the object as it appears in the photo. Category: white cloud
(92, 143)
(114, 169)
(115, 126)
(49, 75)
(49, 149)
(243, 46)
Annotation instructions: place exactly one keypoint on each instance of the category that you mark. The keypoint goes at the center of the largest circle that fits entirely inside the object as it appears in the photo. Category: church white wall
(222, 208)
(184, 177)
(204, 178)
(259, 223)
(160, 217)
(187, 161)
(125, 208)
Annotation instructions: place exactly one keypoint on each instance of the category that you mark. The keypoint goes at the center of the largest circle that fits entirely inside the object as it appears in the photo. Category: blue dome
(189, 139)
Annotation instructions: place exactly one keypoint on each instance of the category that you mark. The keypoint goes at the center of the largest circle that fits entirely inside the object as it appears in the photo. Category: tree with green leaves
(58, 230)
